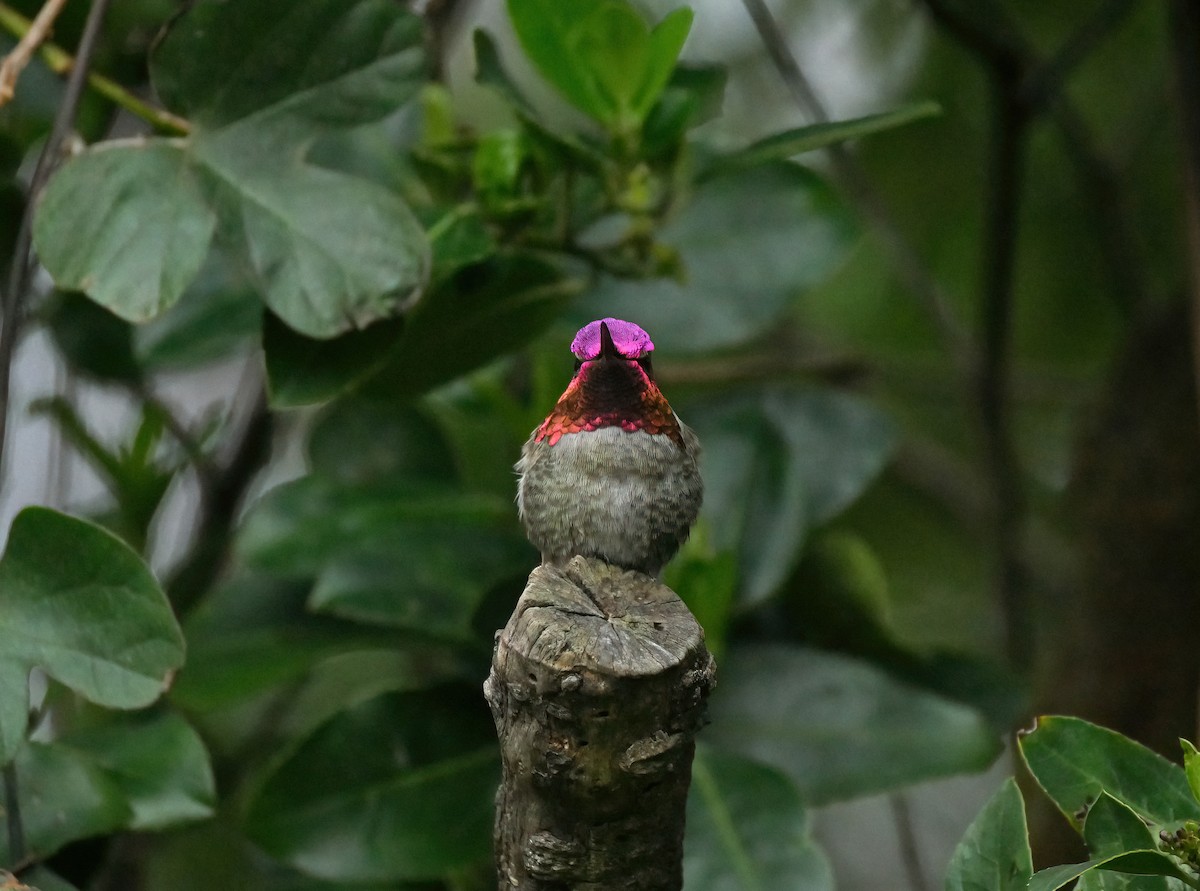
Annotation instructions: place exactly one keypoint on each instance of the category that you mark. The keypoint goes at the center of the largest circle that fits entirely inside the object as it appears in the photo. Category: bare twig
(908, 265)
(14, 63)
(61, 62)
(13, 299)
(995, 359)
(1185, 51)
(220, 498)
(12, 809)
(907, 838)
(1022, 87)
(1047, 79)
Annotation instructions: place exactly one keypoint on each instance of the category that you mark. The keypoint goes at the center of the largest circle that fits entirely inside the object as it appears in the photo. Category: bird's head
(613, 385)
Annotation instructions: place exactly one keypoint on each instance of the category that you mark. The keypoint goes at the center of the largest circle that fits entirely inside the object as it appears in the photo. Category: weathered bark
(598, 687)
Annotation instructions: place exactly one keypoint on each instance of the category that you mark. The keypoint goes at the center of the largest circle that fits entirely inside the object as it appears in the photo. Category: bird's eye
(644, 361)
(578, 365)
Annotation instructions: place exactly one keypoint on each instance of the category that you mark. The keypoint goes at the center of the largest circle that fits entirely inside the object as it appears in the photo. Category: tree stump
(598, 687)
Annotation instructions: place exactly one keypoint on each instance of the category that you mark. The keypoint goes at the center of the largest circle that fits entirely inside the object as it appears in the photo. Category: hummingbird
(612, 472)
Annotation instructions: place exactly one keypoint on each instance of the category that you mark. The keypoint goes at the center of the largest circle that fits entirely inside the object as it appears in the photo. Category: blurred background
(945, 376)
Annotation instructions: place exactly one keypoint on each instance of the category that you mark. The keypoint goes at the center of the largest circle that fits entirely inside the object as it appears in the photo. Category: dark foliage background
(940, 352)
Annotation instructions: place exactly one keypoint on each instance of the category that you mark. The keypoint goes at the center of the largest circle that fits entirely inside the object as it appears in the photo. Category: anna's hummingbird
(612, 472)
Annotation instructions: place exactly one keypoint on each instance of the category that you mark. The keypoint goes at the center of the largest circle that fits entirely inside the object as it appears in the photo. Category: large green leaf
(1075, 762)
(300, 526)
(328, 252)
(92, 339)
(397, 788)
(776, 463)
(303, 371)
(76, 602)
(430, 580)
(417, 557)
(323, 62)
(218, 314)
(363, 442)
(484, 311)
(63, 798)
(749, 243)
(157, 761)
(994, 854)
(127, 224)
(253, 634)
(747, 829)
(839, 727)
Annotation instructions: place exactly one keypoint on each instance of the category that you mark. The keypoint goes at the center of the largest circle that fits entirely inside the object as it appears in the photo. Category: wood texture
(598, 687)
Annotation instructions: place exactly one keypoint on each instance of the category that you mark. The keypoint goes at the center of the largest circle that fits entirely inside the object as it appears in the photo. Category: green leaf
(706, 581)
(544, 28)
(303, 371)
(328, 252)
(459, 239)
(91, 338)
(840, 727)
(395, 789)
(429, 581)
(601, 54)
(484, 311)
(128, 225)
(750, 243)
(747, 829)
(1110, 829)
(254, 633)
(1140, 863)
(1074, 762)
(693, 95)
(217, 314)
(300, 526)
(159, 764)
(778, 462)
(994, 853)
(334, 63)
(63, 798)
(793, 142)
(489, 72)
(360, 442)
(662, 52)
(79, 604)
(1191, 767)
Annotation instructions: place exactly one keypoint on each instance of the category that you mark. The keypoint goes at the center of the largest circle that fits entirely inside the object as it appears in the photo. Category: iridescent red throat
(610, 393)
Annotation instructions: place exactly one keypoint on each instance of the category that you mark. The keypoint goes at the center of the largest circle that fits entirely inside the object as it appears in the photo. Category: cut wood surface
(598, 687)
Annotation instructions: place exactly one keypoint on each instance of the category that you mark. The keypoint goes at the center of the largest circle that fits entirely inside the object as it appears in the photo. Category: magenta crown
(630, 340)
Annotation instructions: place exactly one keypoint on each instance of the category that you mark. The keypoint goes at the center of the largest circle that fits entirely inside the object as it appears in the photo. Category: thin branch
(908, 265)
(1048, 78)
(14, 63)
(61, 62)
(995, 361)
(12, 810)
(1185, 50)
(909, 852)
(13, 299)
(220, 499)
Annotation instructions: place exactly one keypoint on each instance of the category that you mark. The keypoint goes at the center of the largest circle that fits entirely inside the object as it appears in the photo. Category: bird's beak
(608, 349)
